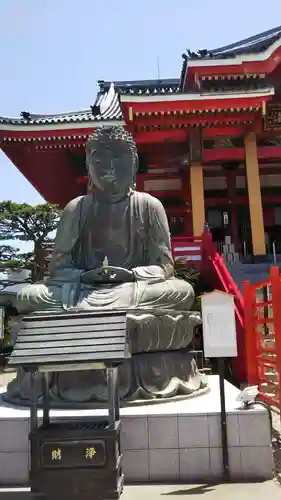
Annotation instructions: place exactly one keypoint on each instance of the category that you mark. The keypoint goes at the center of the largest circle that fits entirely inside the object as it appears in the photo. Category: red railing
(216, 274)
(263, 336)
(214, 270)
(188, 248)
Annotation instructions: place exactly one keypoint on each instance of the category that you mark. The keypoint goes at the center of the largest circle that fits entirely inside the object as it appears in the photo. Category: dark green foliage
(7, 252)
(9, 257)
(23, 222)
(186, 272)
(190, 273)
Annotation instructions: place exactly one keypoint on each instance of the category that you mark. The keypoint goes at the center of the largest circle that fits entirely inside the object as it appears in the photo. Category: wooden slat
(103, 329)
(71, 343)
(66, 358)
(31, 325)
(46, 337)
(77, 314)
(57, 351)
(71, 338)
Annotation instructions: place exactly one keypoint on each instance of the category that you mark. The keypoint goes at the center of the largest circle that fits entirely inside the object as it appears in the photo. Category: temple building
(209, 142)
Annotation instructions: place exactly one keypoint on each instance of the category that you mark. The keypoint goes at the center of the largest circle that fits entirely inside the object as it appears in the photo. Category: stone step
(253, 273)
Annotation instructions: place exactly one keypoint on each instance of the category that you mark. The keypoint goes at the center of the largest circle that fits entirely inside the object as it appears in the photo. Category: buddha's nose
(110, 173)
(112, 165)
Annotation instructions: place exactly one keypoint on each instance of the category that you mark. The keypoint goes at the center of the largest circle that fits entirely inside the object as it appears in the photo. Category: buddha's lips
(109, 178)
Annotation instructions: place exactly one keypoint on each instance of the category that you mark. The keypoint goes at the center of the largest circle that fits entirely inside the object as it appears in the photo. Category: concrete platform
(167, 442)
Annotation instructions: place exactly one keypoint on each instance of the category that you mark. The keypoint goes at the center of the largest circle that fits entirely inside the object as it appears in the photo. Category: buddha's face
(111, 165)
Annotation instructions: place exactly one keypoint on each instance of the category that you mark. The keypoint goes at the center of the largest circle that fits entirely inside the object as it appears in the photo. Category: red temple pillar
(186, 195)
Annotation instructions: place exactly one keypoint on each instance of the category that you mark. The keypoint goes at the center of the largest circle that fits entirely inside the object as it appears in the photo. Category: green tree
(9, 257)
(8, 253)
(23, 222)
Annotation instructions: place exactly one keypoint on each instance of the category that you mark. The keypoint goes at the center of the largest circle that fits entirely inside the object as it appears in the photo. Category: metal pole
(116, 394)
(111, 397)
(274, 252)
(244, 248)
(33, 427)
(46, 402)
(223, 421)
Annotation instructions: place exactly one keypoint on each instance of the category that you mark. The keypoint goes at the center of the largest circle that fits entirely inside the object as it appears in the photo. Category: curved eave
(239, 59)
(105, 112)
(56, 128)
(206, 101)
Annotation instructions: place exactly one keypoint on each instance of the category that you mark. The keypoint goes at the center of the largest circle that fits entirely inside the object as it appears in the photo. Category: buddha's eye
(95, 158)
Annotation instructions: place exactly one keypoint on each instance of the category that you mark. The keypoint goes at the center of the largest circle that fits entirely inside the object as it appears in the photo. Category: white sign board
(219, 328)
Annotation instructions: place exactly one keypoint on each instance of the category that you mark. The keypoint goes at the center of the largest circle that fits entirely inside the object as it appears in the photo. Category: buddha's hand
(108, 274)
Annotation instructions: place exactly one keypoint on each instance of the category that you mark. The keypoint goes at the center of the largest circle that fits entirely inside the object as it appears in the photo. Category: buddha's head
(112, 160)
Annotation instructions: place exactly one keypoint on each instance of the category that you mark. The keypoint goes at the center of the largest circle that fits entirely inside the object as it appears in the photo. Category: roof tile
(143, 87)
(78, 337)
(252, 45)
(108, 102)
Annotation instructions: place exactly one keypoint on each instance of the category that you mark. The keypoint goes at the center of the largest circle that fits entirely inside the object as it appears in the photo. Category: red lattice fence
(262, 306)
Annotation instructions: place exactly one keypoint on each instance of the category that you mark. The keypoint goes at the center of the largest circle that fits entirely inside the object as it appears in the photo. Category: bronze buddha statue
(113, 251)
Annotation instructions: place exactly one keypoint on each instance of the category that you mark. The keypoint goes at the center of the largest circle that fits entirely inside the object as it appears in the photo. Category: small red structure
(263, 336)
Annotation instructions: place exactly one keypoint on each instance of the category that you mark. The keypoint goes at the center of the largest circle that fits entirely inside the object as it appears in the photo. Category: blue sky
(54, 51)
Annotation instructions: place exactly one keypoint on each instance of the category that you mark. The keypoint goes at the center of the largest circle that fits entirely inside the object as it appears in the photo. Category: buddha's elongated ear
(88, 150)
(136, 163)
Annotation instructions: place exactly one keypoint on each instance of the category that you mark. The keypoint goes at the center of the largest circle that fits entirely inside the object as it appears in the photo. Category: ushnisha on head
(112, 159)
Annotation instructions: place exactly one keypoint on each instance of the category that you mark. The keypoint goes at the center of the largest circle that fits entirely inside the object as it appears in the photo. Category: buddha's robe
(133, 234)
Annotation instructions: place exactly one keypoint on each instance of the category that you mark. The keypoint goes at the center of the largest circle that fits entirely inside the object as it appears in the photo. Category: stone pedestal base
(170, 441)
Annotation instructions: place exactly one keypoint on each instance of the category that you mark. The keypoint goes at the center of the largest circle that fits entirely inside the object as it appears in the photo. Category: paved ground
(5, 378)
(254, 491)
(257, 491)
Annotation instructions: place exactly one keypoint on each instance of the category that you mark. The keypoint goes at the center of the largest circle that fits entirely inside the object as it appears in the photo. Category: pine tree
(23, 222)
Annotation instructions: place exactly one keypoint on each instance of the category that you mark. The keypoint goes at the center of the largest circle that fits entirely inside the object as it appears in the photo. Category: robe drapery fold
(144, 233)
(148, 230)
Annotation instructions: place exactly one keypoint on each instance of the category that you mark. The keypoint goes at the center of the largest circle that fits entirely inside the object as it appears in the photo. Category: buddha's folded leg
(96, 296)
(57, 297)
(39, 297)
(170, 294)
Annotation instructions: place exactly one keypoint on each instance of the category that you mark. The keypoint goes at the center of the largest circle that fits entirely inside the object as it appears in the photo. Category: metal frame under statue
(75, 458)
(113, 252)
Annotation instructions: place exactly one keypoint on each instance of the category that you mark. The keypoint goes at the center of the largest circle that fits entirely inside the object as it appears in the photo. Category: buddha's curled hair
(103, 135)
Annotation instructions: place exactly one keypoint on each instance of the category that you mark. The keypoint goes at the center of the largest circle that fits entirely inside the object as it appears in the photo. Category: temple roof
(161, 86)
(105, 108)
(252, 45)
(77, 338)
